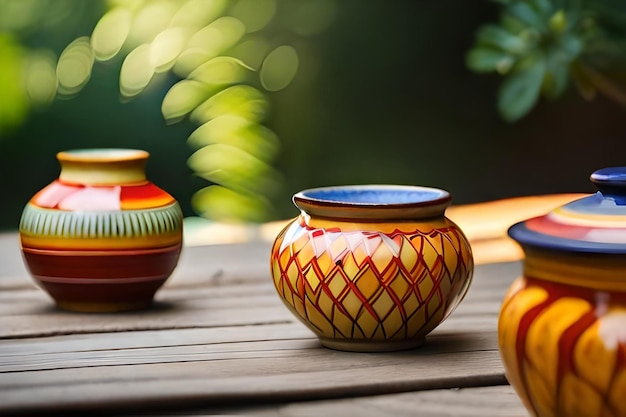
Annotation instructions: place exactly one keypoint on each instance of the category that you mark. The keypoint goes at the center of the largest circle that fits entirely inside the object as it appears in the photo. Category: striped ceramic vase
(101, 237)
(562, 325)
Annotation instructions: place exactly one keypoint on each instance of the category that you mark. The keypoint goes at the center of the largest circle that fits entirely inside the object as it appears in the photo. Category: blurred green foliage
(381, 94)
(222, 60)
(540, 46)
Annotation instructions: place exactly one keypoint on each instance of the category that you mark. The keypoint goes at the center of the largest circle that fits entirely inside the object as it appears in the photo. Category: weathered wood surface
(495, 401)
(219, 339)
(219, 336)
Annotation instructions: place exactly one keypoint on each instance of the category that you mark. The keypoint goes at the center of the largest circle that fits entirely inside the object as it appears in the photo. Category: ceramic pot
(371, 268)
(101, 237)
(562, 325)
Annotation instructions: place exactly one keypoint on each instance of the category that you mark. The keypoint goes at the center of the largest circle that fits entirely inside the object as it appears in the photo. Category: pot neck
(598, 272)
(103, 166)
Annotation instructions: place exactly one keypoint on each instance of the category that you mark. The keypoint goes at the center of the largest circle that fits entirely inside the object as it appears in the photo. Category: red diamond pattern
(371, 285)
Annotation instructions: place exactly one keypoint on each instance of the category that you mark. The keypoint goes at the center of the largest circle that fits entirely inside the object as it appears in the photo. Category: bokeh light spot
(195, 14)
(239, 100)
(14, 103)
(279, 68)
(255, 14)
(150, 20)
(220, 203)
(136, 72)
(239, 133)
(309, 17)
(219, 71)
(208, 43)
(40, 77)
(182, 98)
(74, 66)
(234, 168)
(166, 47)
(110, 33)
(252, 51)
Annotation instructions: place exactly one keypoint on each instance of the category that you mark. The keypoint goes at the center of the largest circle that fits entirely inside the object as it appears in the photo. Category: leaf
(545, 8)
(219, 203)
(209, 42)
(521, 11)
(182, 98)
(558, 22)
(136, 72)
(520, 91)
(198, 13)
(512, 24)
(166, 47)
(221, 71)
(110, 33)
(481, 59)
(239, 100)
(571, 46)
(496, 36)
(235, 169)
(238, 132)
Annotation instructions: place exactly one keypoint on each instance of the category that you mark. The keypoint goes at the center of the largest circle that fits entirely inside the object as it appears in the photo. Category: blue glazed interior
(598, 203)
(382, 195)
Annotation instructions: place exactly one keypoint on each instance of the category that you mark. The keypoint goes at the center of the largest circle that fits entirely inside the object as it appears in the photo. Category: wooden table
(219, 341)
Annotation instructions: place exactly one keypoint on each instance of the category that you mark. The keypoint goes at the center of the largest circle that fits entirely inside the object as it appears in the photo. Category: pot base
(351, 345)
(110, 307)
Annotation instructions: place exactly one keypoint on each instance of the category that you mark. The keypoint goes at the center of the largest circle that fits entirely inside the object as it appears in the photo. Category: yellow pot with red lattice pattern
(562, 325)
(372, 268)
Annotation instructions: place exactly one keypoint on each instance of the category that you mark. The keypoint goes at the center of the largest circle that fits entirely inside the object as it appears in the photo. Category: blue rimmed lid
(592, 224)
(381, 202)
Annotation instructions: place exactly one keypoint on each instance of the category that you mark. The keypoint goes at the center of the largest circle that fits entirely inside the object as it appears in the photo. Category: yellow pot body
(562, 334)
(371, 285)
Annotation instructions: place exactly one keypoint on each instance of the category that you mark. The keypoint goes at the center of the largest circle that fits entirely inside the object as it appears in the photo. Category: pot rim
(373, 201)
(595, 224)
(527, 237)
(102, 155)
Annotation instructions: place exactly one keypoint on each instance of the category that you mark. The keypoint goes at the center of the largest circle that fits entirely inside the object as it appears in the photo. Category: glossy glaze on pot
(562, 325)
(372, 268)
(101, 237)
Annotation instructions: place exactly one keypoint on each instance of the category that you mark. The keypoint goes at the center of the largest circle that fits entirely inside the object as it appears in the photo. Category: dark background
(382, 96)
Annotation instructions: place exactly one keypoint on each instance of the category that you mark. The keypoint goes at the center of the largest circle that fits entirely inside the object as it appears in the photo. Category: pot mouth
(373, 201)
(102, 155)
(593, 224)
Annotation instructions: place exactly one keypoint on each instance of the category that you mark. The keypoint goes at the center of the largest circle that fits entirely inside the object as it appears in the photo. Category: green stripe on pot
(105, 224)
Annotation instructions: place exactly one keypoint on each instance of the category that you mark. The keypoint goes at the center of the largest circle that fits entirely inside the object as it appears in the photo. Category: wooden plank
(159, 347)
(275, 375)
(496, 401)
(54, 323)
(10, 348)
